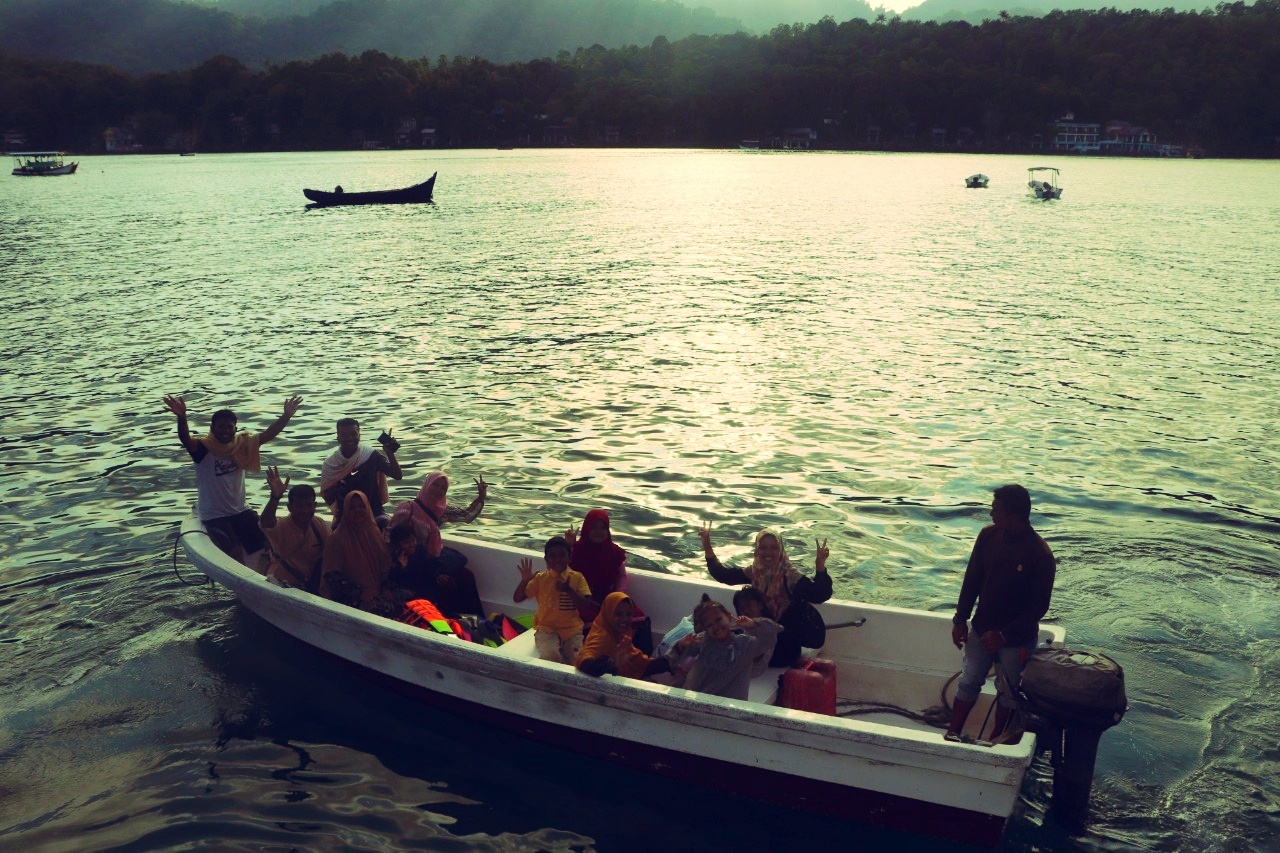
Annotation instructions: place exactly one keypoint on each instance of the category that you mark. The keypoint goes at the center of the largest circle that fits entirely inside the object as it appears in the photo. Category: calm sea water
(851, 347)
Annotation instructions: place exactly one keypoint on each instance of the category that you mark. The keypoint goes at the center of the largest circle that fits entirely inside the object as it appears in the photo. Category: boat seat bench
(522, 646)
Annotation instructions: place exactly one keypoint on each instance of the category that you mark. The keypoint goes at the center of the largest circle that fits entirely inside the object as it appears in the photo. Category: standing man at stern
(1010, 576)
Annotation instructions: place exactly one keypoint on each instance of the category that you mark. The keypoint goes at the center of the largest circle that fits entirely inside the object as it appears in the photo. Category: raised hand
(571, 536)
(481, 486)
(704, 533)
(278, 486)
(291, 406)
(821, 552)
(177, 405)
(526, 568)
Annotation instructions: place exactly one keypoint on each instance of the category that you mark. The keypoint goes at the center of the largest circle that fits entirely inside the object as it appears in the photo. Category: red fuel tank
(810, 686)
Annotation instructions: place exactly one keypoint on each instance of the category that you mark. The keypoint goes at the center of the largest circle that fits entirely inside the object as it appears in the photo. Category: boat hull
(24, 172)
(416, 194)
(859, 769)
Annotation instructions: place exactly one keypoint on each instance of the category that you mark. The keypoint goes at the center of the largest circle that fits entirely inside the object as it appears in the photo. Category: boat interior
(892, 664)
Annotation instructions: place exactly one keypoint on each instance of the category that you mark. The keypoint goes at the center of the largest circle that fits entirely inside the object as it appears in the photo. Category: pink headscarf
(424, 514)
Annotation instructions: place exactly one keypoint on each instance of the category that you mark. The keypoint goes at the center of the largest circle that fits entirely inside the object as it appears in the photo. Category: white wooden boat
(41, 164)
(977, 181)
(1042, 182)
(881, 768)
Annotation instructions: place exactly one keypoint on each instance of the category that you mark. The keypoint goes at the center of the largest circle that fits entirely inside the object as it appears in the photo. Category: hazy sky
(897, 5)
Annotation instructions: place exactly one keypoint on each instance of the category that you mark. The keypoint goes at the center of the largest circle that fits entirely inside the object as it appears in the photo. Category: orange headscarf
(356, 549)
(605, 640)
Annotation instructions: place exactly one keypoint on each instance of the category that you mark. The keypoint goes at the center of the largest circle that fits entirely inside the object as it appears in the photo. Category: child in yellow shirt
(558, 590)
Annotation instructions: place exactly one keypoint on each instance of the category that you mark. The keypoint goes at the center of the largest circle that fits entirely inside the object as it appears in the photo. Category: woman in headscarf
(609, 649)
(604, 565)
(601, 562)
(778, 581)
(445, 568)
(356, 563)
(430, 509)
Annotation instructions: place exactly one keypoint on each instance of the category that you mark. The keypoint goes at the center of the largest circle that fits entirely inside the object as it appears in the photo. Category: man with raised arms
(221, 457)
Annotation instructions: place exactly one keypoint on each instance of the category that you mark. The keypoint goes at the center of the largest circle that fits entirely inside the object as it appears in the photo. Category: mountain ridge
(140, 36)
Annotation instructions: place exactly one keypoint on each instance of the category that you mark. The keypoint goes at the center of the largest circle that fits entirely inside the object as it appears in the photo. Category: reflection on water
(847, 346)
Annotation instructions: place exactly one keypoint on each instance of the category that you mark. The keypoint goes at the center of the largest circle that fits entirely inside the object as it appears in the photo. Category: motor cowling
(1073, 688)
(1070, 698)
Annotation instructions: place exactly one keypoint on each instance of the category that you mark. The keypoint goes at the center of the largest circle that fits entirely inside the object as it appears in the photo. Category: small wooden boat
(976, 182)
(1042, 182)
(42, 163)
(871, 764)
(409, 195)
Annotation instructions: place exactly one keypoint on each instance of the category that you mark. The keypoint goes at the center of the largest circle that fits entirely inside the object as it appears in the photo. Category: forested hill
(157, 35)
(1202, 80)
(977, 11)
(760, 16)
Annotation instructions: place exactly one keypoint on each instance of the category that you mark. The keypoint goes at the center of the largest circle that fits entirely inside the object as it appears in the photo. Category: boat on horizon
(415, 194)
(1042, 182)
(41, 164)
(870, 762)
(976, 182)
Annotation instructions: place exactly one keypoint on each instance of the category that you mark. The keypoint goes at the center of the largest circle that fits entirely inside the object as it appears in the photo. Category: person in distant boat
(444, 581)
(558, 590)
(604, 565)
(356, 567)
(1010, 575)
(338, 189)
(297, 543)
(358, 467)
(772, 574)
(609, 649)
(221, 457)
(725, 658)
(750, 603)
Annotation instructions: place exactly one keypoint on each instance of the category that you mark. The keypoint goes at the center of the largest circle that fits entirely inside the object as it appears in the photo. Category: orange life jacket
(421, 613)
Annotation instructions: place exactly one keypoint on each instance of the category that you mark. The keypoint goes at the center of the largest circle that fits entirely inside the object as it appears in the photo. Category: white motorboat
(976, 182)
(41, 163)
(880, 767)
(1042, 182)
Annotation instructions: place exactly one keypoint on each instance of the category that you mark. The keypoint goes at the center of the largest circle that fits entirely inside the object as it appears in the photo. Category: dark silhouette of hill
(977, 11)
(1195, 82)
(156, 35)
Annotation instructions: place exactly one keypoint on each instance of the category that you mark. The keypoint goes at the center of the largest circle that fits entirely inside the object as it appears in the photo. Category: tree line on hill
(141, 36)
(1205, 79)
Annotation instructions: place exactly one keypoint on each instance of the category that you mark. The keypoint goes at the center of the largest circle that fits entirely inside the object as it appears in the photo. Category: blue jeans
(977, 663)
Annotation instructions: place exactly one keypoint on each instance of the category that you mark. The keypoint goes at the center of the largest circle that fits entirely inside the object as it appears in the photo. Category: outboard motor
(1071, 697)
